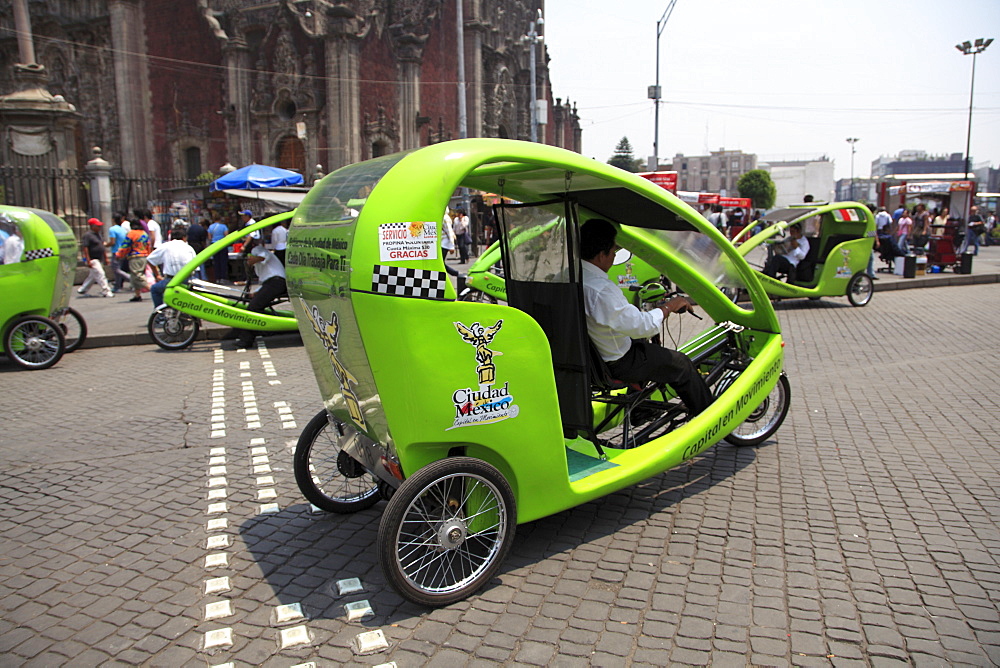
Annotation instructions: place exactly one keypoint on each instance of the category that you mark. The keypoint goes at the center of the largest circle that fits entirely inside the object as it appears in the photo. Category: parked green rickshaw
(473, 417)
(186, 300)
(840, 236)
(38, 258)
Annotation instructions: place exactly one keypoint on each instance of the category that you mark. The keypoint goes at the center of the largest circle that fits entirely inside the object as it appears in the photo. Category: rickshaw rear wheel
(765, 419)
(860, 289)
(74, 328)
(172, 329)
(446, 531)
(34, 342)
(326, 474)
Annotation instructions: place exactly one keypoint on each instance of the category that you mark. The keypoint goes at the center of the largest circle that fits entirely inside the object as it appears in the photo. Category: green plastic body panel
(424, 376)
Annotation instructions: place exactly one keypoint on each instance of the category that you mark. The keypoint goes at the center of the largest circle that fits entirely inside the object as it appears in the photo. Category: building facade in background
(178, 88)
(794, 179)
(717, 172)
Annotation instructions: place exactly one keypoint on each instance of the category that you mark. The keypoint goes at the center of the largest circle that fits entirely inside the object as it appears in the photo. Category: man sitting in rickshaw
(787, 255)
(271, 274)
(619, 329)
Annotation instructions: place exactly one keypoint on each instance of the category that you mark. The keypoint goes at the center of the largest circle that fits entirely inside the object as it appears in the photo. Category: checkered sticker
(38, 254)
(406, 282)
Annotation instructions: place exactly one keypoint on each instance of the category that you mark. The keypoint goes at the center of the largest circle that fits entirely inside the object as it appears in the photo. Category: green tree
(758, 186)
(623, 158)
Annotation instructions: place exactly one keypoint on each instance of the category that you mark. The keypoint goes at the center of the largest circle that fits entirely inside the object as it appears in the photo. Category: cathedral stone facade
(176, 88)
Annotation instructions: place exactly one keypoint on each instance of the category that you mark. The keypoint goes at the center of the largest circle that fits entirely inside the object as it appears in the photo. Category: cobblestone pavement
(164, 527)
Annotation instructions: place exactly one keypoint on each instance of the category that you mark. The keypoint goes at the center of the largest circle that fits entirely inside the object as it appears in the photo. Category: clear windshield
(342, 195)
(701, 253)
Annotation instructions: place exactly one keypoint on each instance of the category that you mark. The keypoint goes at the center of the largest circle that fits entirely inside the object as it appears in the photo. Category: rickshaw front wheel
(326, 474)
(765, 419)
(860, 289)
(446, 531)
(34, 342)
(74, 328)
(172, 329)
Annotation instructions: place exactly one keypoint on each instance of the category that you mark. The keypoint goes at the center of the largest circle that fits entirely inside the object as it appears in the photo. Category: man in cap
(93, 255)
(247, 216)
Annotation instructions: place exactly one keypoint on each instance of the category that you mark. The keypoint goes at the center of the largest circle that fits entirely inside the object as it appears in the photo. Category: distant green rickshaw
(38, 259)
(186, 300)
(840, 236)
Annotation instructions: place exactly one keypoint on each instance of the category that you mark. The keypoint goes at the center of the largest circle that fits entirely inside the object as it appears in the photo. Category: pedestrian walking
(460, 224)
(279, 239)
(116, 237)
(197, 237)
(135, 250)
(973, 229)
(92, 247)
(903, 229)
(220, 261)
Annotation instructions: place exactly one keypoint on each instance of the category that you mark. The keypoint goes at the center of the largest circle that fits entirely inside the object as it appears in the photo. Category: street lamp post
(968, 48)
(852, 141)
(654, 91)
(531, 39)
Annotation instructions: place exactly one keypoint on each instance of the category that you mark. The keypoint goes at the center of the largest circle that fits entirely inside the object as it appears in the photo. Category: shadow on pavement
(301, 555)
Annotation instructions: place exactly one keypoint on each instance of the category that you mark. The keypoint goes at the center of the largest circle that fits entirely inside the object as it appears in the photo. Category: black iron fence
(64, 192)
(148, 193)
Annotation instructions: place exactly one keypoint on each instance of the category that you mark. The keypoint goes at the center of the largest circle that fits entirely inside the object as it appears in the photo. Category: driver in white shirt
(620, 331)
(271, 274)
(787, 257)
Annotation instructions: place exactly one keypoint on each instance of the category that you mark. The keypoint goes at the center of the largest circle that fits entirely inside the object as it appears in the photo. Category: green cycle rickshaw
(840, 236)
(38, 258)
(186, 300)
(473, 417)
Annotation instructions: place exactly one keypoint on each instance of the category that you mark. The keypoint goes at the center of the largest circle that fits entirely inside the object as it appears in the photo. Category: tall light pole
(975, 49)
(531, 39)
(852, 141)
(654, 91)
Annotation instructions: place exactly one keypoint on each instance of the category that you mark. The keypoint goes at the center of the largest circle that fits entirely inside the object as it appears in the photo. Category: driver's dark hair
(596, 236)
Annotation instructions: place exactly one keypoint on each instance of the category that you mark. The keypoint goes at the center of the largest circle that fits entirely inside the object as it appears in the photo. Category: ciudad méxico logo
(490, 402)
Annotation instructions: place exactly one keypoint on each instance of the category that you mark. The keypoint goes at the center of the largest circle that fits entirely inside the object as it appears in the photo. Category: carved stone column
(237, 113)
(132, 89)
(343, 101)
(409, 103)
(475, 93)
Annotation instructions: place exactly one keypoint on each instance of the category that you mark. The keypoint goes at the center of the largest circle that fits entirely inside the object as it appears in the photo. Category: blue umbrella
(256, 176)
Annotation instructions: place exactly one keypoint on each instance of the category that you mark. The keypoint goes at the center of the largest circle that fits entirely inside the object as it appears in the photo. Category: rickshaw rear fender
(418, 383)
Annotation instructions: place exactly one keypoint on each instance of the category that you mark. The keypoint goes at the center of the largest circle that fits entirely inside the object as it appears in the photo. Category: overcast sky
(784, 79)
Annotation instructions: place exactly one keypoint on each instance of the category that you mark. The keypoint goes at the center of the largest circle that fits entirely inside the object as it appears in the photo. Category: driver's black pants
(269, 290)
(648, 362)
(779, 264)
